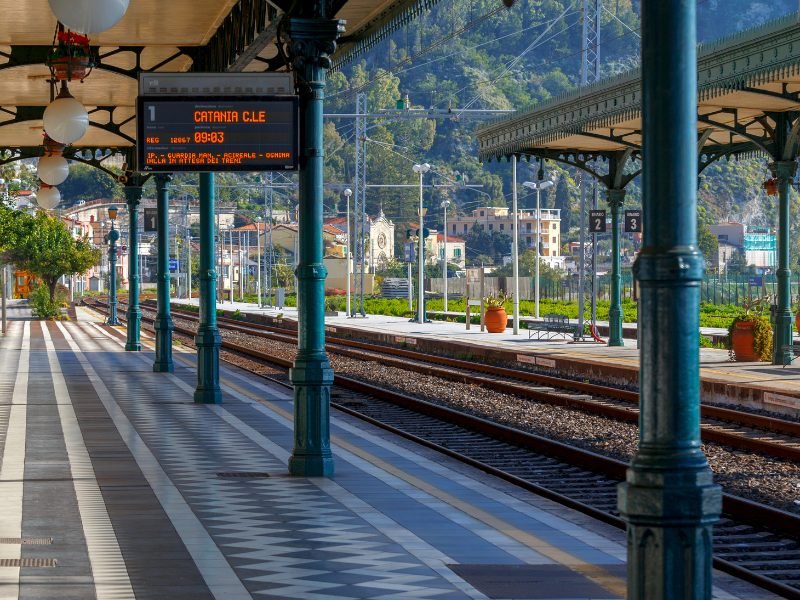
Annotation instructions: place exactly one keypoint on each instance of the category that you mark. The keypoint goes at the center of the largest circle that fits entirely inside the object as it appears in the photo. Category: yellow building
(499, 218)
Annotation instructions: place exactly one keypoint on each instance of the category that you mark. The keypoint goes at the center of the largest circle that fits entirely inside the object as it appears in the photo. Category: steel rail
(498, 379)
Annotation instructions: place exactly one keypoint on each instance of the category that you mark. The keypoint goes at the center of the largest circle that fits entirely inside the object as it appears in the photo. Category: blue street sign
(173, 265)
(755, 281)
(409, 252)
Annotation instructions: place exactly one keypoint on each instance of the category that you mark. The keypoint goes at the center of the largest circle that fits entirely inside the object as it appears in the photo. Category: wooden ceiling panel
(147, 23)
(30, 88)
(752, 100)
(29, 133)
(159, 26)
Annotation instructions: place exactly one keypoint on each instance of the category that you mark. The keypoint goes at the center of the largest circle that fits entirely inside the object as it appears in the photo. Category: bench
(553, 325)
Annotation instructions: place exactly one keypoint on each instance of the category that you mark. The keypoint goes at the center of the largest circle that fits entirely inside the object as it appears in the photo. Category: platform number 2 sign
(597, 221)
(633, 221)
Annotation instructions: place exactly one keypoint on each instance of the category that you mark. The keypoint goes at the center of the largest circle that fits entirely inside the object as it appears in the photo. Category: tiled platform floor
(120, 468)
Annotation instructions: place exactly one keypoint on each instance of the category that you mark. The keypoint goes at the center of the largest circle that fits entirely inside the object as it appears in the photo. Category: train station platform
(115, 485)
(757, 385)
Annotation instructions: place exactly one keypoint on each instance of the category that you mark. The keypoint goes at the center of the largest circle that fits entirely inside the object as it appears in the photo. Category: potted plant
(495, 317)
(750, 334)
(71, 56)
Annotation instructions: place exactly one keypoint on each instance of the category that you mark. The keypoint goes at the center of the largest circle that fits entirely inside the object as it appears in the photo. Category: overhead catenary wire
(437, 43)
(511, 64)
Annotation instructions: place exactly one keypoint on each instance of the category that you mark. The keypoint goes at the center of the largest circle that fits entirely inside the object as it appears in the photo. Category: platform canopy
(160, 35)
(744, 81)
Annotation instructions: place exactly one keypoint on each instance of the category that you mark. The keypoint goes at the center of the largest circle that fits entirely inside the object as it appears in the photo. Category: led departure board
(217, 133)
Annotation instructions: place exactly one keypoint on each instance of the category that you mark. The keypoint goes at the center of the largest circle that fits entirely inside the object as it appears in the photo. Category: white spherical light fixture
(89, 16)
(48, 197)
(65, 119)
(53, 170)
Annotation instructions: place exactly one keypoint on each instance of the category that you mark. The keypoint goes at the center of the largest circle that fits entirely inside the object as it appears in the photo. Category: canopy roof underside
(743, 82)
(179, 35)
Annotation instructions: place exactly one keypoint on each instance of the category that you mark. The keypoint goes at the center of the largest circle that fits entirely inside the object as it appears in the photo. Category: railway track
(745, 431)
(755, 542)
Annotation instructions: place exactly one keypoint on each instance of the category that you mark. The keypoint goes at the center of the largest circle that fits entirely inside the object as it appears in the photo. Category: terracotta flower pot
(68, 68)
(742, 341)
(496, 319)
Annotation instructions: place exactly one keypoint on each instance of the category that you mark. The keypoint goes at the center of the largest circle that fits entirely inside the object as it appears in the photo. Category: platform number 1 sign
(151, 219)
(633, 221)
(597, 221)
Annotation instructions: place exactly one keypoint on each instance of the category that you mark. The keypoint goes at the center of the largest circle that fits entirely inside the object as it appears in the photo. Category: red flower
(72, 38)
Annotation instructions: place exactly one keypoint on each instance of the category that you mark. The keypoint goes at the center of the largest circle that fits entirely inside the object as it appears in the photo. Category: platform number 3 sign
(597, 221)
(633, 221)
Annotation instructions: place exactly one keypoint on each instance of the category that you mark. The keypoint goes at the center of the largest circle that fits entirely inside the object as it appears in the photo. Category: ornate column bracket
(782, 353)
(616, 198)
(313, 40)
(163, 322)
(133, 197)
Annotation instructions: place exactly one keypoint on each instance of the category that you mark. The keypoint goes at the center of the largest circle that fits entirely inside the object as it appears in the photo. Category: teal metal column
(782, 353)
(163, 322)
(312, 41)
(133, 196)
(616, 198)
(208, 339)
(669, 500)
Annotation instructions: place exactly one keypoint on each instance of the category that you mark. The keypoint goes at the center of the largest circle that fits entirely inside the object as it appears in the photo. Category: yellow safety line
(595, 573)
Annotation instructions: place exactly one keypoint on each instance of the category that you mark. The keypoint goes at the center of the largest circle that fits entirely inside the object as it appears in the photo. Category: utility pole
(361, 192)
(590, 72)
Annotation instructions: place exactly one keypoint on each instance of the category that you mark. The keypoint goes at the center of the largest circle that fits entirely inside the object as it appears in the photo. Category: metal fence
(724, 289)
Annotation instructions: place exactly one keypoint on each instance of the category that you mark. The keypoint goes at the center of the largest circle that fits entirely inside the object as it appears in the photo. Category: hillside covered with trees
(478, 54)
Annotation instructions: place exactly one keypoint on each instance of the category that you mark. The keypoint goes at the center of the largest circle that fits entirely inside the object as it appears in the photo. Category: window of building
(530, 240)
(482, 213)
(502, 227)
(454, 227)
(465, 228)
(528, 227)
(555, 240)
(491, 227)
(457, 252)
(554, 226)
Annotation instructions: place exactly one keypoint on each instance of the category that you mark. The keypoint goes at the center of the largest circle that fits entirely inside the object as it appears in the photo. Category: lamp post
(515, 241)
(268, 217)
(258, 253)
(538, 186)
(230, 265)
(444, 205)
(113, 236)
(347, 193)
(421, 169)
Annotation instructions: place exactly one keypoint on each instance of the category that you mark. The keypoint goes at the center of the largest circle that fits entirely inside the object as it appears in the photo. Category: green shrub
(42, 306)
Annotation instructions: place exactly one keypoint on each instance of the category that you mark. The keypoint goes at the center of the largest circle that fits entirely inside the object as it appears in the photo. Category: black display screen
(217, 133)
